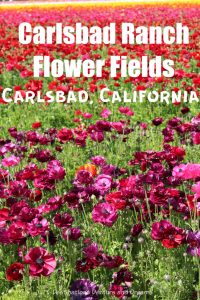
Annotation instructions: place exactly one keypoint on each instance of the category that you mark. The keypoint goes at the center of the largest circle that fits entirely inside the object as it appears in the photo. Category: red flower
(15, 272)
(168, 234)
(36, 125)
(40, 262)
(116, 200)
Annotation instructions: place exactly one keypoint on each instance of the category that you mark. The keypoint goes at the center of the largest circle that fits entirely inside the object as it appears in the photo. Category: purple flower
(84, 289)
(91, 251)
(109, 169)
(97, 136)
(193, 239)
(84, 177)
(105, 214)
(98, 160)
(105, 113)
(71, 234)
(103, 183)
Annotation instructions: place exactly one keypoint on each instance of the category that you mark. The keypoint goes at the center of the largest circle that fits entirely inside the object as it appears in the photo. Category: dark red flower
(15, 272)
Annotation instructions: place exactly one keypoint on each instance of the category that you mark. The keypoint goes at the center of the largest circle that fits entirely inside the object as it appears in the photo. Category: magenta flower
(97, 136)
(103, 183)
(15, 272)
(196, 138)
(193, 239)
(55, 170)
(11, 161)
(126, 111)
(71, 234)
(196, 190)
(105, 214)
(63, 220)
(91, 251)
(98, 160)
(40, 262)
(38, 226)
(105, 113)
(187, 171)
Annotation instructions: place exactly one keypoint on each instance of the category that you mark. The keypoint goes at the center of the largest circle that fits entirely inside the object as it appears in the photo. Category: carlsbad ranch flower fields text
(96, 35)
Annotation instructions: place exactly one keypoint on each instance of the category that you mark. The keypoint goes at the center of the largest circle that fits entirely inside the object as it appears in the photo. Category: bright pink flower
(87, 115)
(55, 170)
(126, 111)
(105, 214)
(38, 226)
(196, 138)
(196, 190)
(103, 183)
(10, 161)
(186, 172)
(105, 113)
(40, 262)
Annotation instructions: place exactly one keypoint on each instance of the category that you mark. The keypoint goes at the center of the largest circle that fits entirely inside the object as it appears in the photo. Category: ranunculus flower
(40, 262)
(168, 234)
(97, 136)
(103, 183)
(71, 234)
(157, 121)
(126, 111)
(38, 226)
(116, 199)
(105, 214)
(193, 238)
(84, 289)
(63, 220)
(91, 251)
(187, 171)
(99, 160)
(11, 161)
(196, 190)
(15, 272)
(90, 168)
(105, 113)
(55, 170)
(136, 229)
(196, 138)
(36, 125)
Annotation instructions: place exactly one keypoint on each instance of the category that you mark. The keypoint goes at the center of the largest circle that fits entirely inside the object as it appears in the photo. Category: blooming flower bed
(99, 201)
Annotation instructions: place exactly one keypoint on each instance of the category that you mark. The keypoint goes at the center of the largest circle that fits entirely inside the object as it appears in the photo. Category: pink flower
(87, 115)
(105, 214)
(103, 183)
(55, 170)
(126, 111)
(40, 262)
(10, 161)
(196, 138)
(105, 113)
(71, 234)
(186, 172)
(38, 226)
(196, 190)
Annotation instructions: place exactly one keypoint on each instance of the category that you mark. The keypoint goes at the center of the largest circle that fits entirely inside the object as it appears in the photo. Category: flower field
(99, 200)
